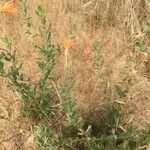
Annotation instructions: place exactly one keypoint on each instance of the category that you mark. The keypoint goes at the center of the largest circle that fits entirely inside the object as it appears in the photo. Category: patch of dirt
(139, 103)
(116, 44)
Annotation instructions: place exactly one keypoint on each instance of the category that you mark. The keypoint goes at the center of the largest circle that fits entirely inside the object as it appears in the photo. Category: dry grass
(117, 25)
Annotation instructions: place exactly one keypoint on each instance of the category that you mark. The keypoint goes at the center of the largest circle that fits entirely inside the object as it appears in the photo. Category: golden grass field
(117, 24)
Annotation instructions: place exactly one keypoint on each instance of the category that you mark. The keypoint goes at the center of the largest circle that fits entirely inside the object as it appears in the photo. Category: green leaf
(53, 78)
(41, 49)
(41, 65)
(1, 66)
(7, 40)
(48, 71)
(2, 55)
(41, 85)
(50, 55)
(40, 10)
(119, 91)
(141, 46)
(25, 98)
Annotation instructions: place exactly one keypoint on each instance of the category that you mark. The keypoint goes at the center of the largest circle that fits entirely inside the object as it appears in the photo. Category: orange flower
(9, 7)
(68, 43)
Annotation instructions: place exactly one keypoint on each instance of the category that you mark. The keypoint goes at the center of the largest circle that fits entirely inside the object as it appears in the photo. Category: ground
(117, 26)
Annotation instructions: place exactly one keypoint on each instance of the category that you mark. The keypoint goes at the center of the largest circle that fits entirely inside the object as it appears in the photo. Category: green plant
(100, 68)
(34, 97)
(141, 45)
(25, 13)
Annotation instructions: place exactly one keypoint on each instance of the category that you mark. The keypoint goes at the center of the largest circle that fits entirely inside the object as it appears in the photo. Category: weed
(26, 16)
(141, 46)
(34, 97)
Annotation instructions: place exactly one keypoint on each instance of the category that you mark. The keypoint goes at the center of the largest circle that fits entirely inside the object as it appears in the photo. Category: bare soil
(117, 45)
